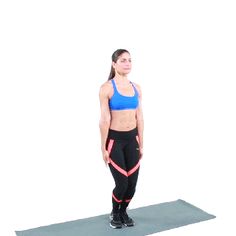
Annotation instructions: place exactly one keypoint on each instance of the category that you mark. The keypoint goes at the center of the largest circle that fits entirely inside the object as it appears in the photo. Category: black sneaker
(126, 220)
(111, 216)
(115, 222)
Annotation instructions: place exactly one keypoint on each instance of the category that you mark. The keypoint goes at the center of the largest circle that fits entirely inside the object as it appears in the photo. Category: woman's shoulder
(137, 86)
(106, 87)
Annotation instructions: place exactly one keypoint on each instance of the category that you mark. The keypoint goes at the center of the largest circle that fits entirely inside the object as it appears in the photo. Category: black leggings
(124, 162)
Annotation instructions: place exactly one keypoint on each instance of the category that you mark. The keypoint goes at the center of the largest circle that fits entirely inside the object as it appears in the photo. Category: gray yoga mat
(149, 220)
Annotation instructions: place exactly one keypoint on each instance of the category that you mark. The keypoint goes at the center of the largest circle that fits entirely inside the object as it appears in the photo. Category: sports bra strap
(114, 85)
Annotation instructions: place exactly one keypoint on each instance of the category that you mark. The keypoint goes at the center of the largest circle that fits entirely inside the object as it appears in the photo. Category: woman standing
(121, 128)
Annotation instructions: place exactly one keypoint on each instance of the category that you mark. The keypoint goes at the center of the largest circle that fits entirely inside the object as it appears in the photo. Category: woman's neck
(121, 78)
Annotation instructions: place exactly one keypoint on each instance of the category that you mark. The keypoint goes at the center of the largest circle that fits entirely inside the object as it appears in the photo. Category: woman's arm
(140, 121)
(105, 118)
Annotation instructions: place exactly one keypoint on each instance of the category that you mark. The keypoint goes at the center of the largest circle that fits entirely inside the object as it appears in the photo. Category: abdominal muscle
(124, 120)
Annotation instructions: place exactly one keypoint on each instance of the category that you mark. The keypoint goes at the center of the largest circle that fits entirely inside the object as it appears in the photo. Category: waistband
(115, 134)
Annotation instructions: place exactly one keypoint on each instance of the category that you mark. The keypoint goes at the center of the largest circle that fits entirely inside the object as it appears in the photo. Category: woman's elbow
(104, 121)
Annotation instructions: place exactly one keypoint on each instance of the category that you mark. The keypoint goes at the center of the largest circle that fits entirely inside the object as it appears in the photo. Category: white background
(54, 57)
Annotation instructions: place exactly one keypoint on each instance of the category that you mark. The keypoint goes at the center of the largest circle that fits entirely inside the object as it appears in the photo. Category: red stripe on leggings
(134, 169)
(118, 168)
(117, 200)
(110, 145)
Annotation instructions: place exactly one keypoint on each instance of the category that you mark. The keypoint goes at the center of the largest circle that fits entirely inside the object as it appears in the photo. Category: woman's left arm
(140, 120)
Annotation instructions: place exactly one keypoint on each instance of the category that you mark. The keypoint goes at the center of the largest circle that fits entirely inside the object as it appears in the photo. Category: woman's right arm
(105, 118)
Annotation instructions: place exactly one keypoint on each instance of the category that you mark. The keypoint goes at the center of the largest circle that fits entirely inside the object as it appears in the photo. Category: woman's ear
(114, 65)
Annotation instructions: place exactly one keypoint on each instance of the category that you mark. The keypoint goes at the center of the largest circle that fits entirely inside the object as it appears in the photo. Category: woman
(121, 128)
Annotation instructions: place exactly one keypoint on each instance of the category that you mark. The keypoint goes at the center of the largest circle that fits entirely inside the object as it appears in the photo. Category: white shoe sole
(114, 227)
(129, 225)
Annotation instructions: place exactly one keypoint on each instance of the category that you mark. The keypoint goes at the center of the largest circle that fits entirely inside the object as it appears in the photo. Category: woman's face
(123, 65)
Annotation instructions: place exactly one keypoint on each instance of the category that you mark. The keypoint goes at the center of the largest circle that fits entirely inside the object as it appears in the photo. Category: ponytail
(112, 73)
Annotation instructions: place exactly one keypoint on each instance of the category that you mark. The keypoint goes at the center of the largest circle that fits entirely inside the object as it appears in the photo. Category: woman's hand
(105, 155)
(141, 153)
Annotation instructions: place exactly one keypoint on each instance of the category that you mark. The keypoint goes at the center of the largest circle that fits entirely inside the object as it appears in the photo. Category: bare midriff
(124, 120)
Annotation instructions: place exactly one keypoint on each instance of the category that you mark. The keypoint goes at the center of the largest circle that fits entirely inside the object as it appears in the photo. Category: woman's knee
(122, 186)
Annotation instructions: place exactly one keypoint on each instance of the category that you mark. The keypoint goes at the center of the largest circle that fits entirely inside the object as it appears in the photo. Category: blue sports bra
(121, 102)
